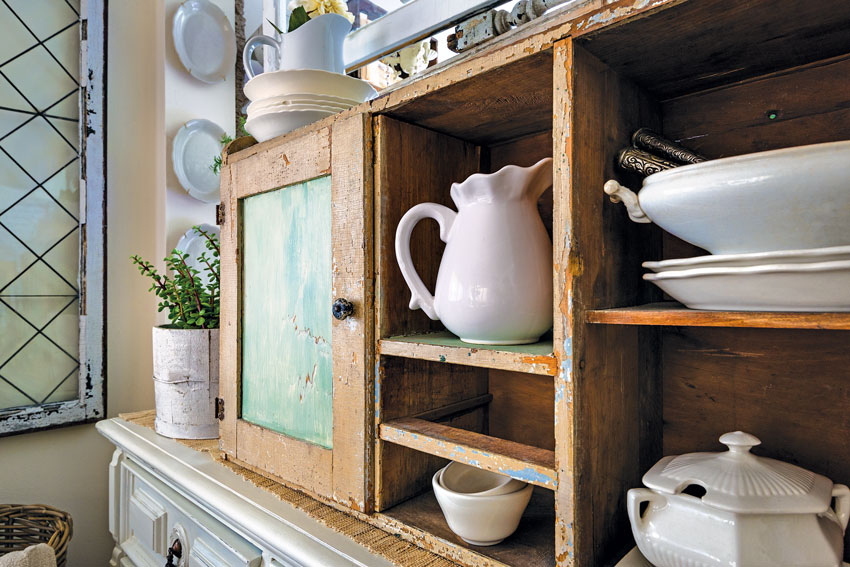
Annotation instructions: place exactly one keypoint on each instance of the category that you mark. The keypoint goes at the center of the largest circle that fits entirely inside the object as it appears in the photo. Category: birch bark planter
(185, 374)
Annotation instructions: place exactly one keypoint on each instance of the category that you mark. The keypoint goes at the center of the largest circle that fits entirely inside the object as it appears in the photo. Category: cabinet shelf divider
(517, 460)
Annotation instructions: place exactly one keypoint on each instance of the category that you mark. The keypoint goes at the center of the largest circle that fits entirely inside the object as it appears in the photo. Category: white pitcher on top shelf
(494, 285)
(315, 45)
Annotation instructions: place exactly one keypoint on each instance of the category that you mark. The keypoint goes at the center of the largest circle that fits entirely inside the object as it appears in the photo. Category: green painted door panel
(286, 311)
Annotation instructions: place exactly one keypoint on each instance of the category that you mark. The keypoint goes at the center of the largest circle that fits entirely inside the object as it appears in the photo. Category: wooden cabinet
(296, 382)
(626, 375)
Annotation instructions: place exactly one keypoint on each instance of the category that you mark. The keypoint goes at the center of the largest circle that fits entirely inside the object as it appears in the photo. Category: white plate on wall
(193, 151)
(813, 287)
(830, 254)
(194, 244)
(310, 81)
(204, 40)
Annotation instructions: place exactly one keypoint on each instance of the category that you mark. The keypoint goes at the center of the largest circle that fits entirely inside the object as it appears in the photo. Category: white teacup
(315, 45)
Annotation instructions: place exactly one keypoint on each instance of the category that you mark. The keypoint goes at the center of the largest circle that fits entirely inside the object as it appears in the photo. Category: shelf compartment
(673, 314)
(420, 519)
(523, 462)
(537, 358)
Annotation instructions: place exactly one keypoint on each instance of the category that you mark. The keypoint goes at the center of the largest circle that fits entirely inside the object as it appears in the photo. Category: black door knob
(342, 309)
(175, 551)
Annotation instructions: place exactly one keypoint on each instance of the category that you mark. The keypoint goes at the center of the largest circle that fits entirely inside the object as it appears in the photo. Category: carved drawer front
(152, 515)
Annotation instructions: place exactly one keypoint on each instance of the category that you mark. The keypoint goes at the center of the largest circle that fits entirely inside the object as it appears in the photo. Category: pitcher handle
(842, 504)
(251, 45)
(420, 298)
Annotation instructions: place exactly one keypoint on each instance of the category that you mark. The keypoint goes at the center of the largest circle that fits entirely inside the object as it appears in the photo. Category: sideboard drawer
(151, 515)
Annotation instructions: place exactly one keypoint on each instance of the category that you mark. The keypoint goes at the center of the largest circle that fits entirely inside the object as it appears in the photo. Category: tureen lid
(738, 481)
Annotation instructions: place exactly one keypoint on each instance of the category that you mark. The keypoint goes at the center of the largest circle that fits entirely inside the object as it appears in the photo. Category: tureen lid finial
(739, 442)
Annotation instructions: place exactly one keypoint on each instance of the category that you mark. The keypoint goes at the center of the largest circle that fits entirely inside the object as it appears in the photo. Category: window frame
(90, 405)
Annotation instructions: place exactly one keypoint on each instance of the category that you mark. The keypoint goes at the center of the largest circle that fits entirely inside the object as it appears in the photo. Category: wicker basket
(23, 526)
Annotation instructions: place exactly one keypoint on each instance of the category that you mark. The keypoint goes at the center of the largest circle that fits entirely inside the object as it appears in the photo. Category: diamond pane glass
(39, 201)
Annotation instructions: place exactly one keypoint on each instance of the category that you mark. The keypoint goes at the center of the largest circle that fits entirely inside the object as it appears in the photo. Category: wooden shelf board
(669, 313)
(537, 358)
(532, 544)
(524, 462)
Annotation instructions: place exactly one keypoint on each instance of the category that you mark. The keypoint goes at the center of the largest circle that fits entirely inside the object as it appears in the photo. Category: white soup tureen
(735, 509)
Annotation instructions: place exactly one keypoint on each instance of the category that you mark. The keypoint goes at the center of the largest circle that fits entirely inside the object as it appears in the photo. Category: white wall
(67, 468)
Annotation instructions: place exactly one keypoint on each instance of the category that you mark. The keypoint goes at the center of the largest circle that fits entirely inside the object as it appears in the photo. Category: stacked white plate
(282, 101)
(815, 279)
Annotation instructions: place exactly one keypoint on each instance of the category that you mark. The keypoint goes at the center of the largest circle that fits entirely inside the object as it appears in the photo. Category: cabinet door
(294, 379)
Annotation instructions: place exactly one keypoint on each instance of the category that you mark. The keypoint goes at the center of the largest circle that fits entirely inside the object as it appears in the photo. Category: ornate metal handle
(342, 309)
(175, 551)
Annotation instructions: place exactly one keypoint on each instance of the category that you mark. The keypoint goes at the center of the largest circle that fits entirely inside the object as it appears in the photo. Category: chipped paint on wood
(445, 347)
(523, 462)
(286, 324)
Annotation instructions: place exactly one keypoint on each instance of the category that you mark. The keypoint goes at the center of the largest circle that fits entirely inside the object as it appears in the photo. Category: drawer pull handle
(342, 309)
(176, 550)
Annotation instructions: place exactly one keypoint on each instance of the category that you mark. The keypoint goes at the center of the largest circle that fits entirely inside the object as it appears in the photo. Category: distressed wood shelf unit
(624, 377)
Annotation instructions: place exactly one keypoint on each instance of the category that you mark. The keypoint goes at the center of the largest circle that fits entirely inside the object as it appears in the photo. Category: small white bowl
(274, 124)
(481, 520)
(464, 479)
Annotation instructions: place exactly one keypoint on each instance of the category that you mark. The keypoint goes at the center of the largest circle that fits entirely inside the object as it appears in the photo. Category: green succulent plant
(192, 303)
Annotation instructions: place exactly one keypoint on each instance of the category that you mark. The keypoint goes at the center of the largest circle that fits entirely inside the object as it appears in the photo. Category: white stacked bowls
(481, 507)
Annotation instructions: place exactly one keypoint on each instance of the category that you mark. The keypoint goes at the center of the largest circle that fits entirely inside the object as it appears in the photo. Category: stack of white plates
(282, 101)
(815, 279)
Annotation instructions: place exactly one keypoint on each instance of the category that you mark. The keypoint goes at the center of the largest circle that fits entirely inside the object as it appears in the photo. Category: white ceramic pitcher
(494, 285)
(314, 45)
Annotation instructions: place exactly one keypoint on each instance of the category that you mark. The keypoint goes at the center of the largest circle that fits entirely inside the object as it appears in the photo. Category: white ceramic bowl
(786, 199)
(831, 254)
(289, 107)
(481, 520)
(273, 124)
(464, 479)
(815, 287)
(281, 83)
(301, 98)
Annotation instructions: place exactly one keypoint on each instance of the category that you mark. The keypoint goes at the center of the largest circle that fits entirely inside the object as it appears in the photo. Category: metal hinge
(219, 409)
(219, 215)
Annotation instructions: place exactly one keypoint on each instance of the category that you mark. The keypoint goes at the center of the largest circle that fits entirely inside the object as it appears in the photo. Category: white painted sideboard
(160, 490)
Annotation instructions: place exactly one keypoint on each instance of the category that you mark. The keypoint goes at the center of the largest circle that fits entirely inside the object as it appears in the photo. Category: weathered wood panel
(413, 165)
(522, 409)
(353, 338)
(490, 107)
(670, 313)
(793, 107)
(446, 347)
(287, 381)
(604, 394)
(523, 462)
(696, 45)
(420, 520)
(230, 366)
(406, 387)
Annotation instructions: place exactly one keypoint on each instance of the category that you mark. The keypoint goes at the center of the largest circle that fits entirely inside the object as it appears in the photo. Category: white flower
(411, 59)
(315, 8)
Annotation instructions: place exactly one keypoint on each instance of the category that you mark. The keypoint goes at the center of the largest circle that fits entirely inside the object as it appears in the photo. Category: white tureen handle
(621, 194)
(842, 504)
(636, 497)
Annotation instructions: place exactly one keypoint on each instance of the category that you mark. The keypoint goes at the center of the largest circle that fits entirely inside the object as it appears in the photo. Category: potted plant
(185, 351)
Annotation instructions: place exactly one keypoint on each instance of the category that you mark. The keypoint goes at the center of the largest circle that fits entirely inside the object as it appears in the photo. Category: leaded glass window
(45, 198)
